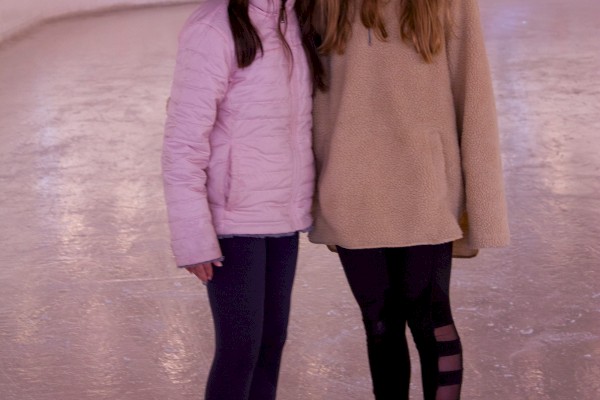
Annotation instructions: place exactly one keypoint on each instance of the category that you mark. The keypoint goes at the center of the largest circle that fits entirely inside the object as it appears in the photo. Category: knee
(377, 330)
(442, 313)
(274, 340)
(421, 327)
(240, 351)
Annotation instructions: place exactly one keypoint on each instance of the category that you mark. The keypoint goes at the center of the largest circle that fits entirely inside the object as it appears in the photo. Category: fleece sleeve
(477, 127)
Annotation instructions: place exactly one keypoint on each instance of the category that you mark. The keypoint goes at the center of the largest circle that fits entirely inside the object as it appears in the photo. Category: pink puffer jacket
(237, 155)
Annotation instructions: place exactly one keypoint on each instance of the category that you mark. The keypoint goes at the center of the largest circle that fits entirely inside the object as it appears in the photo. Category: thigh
(441, 278)
(236, 292)
(441, 310)
(415, 270)
(367, 274)
(281, 259)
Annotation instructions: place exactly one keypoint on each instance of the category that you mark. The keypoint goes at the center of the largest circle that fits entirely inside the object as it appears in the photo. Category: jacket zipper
(293, 134)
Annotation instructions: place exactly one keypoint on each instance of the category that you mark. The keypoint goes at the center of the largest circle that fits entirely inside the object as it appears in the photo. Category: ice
(92, 306)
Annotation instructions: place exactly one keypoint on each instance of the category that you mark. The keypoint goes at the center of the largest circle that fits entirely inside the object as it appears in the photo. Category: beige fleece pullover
(403, 147)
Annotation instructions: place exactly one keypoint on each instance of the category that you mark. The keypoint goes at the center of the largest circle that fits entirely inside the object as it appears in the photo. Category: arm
(200, 82)
(477, 128)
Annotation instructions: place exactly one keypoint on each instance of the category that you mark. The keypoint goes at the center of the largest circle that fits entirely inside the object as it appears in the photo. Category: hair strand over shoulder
(423, 23)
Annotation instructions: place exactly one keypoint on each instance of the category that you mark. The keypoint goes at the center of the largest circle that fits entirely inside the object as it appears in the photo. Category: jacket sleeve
(477, 128)
(200, 81)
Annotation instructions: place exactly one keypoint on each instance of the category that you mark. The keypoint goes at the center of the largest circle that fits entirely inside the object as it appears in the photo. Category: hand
(204, 271)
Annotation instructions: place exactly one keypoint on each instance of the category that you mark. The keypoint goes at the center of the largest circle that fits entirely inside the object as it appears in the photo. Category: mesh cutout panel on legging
(449, 363)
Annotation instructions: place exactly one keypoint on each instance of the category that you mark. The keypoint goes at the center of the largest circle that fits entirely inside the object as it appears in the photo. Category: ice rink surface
(92, 307)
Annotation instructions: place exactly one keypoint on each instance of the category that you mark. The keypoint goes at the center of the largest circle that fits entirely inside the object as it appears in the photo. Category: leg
(236, 296)
(367, 274)
(282, 255)
(423, 273)
(411, 272)
(449, 346)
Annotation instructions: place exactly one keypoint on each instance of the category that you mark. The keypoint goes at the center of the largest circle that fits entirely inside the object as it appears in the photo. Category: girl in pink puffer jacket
(238, 176)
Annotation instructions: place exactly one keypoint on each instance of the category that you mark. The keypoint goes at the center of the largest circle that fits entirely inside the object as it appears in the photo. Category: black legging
(250, 302)
(395, 286)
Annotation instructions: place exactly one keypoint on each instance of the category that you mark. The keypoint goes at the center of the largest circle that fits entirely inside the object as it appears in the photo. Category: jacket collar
(272, 6)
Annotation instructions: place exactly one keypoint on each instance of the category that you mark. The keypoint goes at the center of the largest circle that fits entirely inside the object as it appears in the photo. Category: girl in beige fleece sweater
(406, 145)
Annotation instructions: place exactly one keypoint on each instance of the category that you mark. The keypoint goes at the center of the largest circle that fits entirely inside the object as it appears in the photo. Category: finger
(201, 274)
(192, 268)
(208, 270)
(195, 270)
(218, 264)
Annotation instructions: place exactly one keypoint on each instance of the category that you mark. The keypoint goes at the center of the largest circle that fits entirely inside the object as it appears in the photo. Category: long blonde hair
(423, 23)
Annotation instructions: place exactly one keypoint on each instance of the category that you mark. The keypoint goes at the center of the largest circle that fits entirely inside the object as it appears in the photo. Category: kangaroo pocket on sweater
(437, 161)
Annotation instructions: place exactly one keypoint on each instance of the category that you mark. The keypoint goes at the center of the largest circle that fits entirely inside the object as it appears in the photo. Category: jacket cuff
(202, 262)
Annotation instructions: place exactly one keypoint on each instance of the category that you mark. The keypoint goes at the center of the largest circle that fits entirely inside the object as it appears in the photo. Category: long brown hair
(305, 10)
(248, 43)
(423, 23)
(246, 39)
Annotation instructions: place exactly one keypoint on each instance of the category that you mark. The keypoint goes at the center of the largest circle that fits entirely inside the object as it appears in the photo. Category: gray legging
(250, 302)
